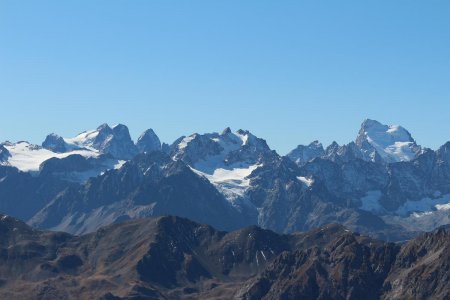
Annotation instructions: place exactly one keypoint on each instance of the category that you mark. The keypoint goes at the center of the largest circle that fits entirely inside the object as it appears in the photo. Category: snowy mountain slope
(28, 157)
(105, 148)
(226, 160)
(149, 185)
(23, 195)
(302, 154)
(370, 185)
(114, 140)
(232, 183)
(375, 142)
(411, 193)
(392, 142)
(148, 142)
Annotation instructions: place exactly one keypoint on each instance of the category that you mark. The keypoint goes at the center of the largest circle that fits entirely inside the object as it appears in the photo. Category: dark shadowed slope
(174, 258)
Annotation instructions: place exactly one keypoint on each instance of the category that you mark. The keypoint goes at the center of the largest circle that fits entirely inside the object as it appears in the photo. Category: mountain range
(175, 258)
(382, 184)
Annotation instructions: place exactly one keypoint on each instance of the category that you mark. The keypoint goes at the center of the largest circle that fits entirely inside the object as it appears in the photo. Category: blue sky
(289, 71)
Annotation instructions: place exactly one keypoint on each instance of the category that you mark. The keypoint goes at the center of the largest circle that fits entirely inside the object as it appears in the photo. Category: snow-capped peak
(225, 148)
(225, 159)
(115, 141)
(85, 139)
(55, 143)
(302, 154)
(392, 142)
(385, 134)
(244, 135)
(185, 141)
(4, 154)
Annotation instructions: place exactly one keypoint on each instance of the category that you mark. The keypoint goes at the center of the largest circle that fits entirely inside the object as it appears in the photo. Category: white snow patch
(263, 255)
(119, 164)
(308, 181)
(424, 205)
(443, 206)
(420, 215)
(401, 150)
(243, 137)
(398, 151)
(84, 139)
(184, 142)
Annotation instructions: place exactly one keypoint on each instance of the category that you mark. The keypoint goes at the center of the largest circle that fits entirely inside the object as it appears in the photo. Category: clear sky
(288, 71)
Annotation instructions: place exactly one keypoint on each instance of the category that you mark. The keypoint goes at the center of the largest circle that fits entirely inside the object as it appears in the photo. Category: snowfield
(392, 142)
(232, 183)
(308, 181)
(230, 179)
(423, 207)
(27, 157)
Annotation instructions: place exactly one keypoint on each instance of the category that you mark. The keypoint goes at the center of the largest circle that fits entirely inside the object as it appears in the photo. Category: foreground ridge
(172, 257)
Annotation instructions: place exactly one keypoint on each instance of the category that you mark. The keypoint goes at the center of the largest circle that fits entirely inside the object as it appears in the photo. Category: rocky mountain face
(23, 195)
(302, 154)
(102, 149)
(413, 277)
(4, 154)
(174, 258)
(148, 142)
(55, 143)
(115, 141)
(375, 142)
(382, 184)
(149, 185)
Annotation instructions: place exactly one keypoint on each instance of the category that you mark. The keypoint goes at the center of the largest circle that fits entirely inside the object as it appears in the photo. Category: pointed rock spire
(148, 142)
